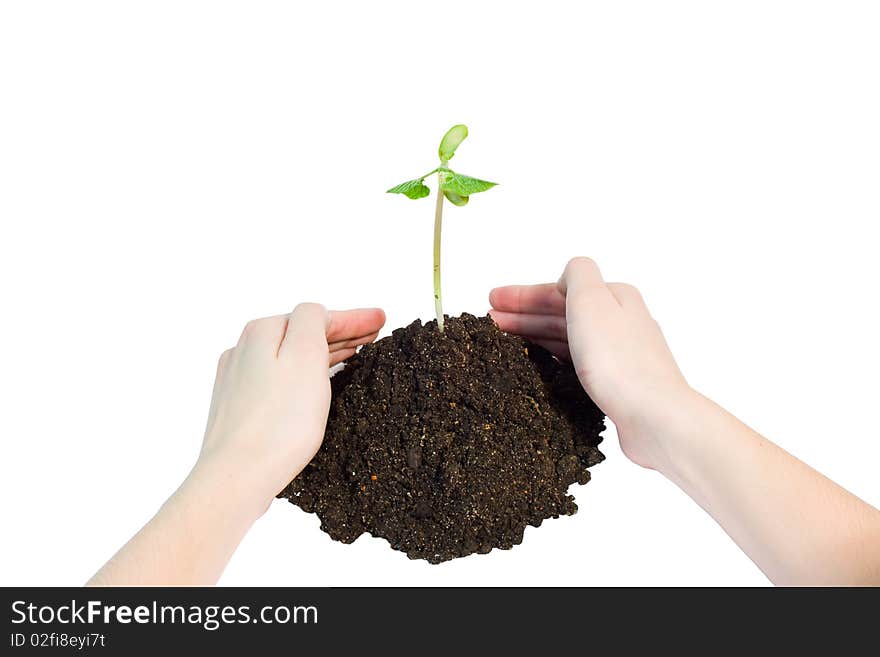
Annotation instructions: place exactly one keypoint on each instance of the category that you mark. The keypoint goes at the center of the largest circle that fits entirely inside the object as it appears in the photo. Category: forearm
(799, 527)
(191, 538)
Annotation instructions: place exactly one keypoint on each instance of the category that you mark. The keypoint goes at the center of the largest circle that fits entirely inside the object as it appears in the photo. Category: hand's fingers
(550, 327)
(627, 296)
(306, 333)
(337, 357)
(350, 324)
(267, 330)
(585, 291)
(535, 299)
(555, 347)
(353, 343)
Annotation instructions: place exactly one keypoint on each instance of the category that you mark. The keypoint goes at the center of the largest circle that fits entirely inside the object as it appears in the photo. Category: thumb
(305, 338)
(584, 289)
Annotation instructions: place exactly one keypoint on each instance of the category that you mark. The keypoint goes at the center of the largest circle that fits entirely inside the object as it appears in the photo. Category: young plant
(457, 189)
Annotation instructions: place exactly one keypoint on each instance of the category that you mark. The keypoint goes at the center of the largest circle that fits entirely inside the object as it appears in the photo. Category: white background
(169, 170)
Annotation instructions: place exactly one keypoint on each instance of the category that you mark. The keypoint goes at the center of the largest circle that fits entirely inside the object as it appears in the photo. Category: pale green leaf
(411, 188)
(455, 199)
(465, 185)
(451, 140)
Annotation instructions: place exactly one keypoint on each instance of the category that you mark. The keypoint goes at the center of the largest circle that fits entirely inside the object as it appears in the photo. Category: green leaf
(455, 199)
(411, 188)
(451, 140)
(465, 185)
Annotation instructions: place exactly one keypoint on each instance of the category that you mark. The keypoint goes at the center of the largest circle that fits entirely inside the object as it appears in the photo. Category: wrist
(662, 434)
(219, 483)
(685, 434)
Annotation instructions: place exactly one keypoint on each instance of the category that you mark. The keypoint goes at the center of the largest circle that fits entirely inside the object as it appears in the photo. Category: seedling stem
(438, 225)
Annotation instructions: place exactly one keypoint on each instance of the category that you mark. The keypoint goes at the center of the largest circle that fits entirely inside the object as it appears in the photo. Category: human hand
(272, 394)
(616, 347)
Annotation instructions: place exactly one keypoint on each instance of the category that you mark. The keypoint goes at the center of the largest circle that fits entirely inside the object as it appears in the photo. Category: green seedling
(457, 189)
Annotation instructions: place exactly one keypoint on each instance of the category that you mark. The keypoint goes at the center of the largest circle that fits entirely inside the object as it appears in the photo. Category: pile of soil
(449, 443)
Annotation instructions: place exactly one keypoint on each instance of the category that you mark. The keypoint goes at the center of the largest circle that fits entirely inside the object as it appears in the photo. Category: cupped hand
(272, 394)
(616, 347)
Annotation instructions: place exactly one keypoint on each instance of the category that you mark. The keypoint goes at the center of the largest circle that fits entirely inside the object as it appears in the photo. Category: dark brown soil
(450, 443)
